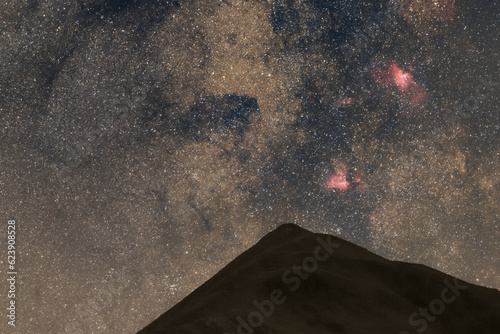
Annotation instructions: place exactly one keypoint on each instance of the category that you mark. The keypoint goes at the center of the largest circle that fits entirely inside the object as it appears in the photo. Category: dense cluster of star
(145, 144)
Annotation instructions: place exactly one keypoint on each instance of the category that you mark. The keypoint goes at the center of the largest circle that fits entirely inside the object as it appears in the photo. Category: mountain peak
(297, 281)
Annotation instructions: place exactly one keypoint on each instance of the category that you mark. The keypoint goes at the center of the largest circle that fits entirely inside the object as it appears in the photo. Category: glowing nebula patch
(344, 177)
(338, 181)
(391, 77)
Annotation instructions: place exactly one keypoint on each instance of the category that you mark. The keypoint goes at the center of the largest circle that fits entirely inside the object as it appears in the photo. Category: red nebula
(338, 181)
(401, 78)
(394, 79)
(345, 178)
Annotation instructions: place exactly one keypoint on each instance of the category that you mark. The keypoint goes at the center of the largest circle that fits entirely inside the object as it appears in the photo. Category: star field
(146, 144)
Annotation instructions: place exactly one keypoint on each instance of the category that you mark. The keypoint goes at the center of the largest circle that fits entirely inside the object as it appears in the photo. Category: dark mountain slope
(295, 281)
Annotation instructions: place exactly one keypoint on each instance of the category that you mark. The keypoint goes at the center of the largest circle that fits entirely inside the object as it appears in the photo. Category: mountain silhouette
(295, 281)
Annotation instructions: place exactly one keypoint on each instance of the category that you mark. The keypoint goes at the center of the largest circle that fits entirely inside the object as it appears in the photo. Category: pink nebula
(393, 78)
(338, 181)
(400, 78)
(345, 178)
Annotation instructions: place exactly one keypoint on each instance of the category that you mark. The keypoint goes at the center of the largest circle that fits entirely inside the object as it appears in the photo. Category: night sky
(146, 144)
